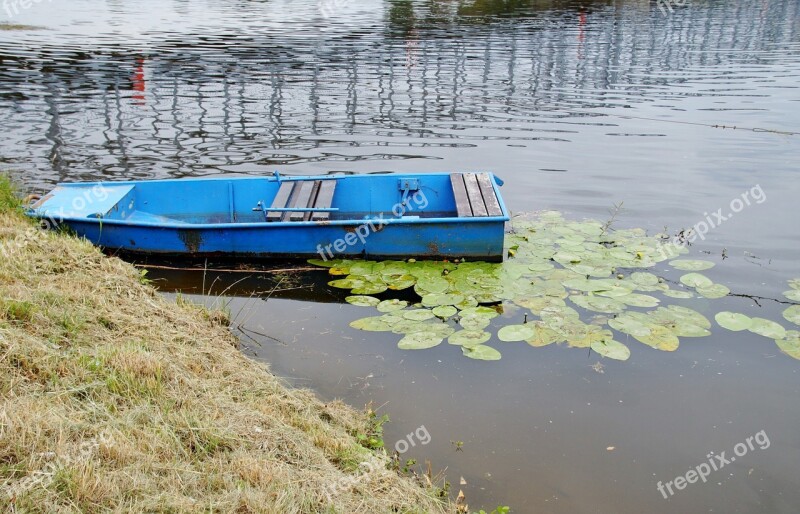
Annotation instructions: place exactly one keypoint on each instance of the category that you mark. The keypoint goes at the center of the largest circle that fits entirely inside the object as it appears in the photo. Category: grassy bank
(115, 399)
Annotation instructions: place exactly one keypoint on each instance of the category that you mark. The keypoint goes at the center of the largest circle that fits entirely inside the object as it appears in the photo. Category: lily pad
(644, 279)
(792, 314)
(733, 321)
(419, 314)
(790, 344)
(469, 337)
(628, 324)
(660, 338)
(512, 333)
(675, 293)
(399, 282)
(794, 283)
(481, 352)
(345, 283)
(598, 303)
(474, 322)
(792, 294)
(479, 312)
(639, 300)
(714, 291)
(372, 324)
(444, 311)
(437, 299)
(767, 328)
(612, 349)
(696, 280)
(362, 301)
(392, 305)
(691, 265)
(543, 335)
(420, 341)
(587, 285)
(320, 262)
(370, 288)
(427, 285)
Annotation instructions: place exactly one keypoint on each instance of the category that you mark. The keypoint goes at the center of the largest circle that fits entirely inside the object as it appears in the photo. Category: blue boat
(376, 216)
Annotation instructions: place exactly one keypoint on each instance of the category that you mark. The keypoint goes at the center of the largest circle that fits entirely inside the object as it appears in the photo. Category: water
(576, 105)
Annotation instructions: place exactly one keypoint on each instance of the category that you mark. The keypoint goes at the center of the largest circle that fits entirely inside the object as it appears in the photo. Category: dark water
(576, 105)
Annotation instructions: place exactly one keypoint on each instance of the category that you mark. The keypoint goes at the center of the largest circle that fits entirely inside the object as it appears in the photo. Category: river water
(675, 111)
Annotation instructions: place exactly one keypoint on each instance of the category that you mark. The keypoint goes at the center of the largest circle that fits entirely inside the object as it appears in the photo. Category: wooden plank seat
(475, 196)
(302, 194)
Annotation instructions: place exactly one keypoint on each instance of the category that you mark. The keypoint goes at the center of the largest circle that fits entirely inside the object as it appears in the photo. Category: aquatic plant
(572, 282)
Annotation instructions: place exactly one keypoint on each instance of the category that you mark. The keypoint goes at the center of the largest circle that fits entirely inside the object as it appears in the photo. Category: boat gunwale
(34, 213)
(275, 224)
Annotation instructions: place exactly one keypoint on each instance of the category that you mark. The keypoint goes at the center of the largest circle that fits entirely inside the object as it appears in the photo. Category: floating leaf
(616, 291)
(714, 291)
(691, 265)
(567, 258)
(611, 349)
(673, 293)
(370, 288)
(474, 323)
(543, 335)
(631, 325)
(444, 311)
(660, 338)
(644, 279)
(792, 314)
(767, 328)
(428, 284)
(392, 305)
(587, 285)
(790, 344)
(733, 321)
(481, 352)
(540, 266)
(362, 301)
(794, 283)
(586, 335)
(598, 303)
(512, 333)
(678, 314)
(469, 337)
(467, 303)
(420, 341)
(436, 299)
(372, 324)
(399, 282)
(639, 300)
(792, 294)
(535, 305)
(479, 312)
(418, 314)
(320, 262)
(345, 283)
(696, 280)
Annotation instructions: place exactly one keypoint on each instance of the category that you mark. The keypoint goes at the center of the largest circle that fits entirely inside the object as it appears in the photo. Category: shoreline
(114, 398)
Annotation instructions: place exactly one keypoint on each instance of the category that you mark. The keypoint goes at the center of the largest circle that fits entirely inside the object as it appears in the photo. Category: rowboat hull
(362, 220)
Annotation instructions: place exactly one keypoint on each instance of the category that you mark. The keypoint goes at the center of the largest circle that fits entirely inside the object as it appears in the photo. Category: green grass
(114, 399)
(9, 200)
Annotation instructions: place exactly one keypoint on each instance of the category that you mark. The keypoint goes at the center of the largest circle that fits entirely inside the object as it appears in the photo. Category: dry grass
(114, 399)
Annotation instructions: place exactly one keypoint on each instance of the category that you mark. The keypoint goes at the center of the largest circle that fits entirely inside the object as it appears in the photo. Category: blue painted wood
(366, 217)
